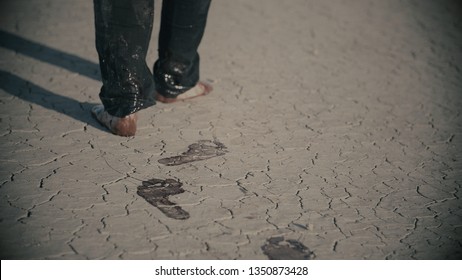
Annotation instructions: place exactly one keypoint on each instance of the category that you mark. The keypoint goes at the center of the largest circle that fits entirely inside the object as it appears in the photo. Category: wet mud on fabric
(123, 31)
(182, 28)
(202, 150)
(276, 248)
(157, 192)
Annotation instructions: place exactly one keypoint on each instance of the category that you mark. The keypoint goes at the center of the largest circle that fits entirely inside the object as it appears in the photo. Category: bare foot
(200, 89)
(125, 126)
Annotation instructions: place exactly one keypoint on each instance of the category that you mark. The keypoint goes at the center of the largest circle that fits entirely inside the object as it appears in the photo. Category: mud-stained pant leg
(123, 30)
(182, 28)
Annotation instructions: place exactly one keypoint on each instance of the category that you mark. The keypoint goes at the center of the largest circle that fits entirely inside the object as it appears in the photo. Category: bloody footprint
(203, 149)
(156, 192)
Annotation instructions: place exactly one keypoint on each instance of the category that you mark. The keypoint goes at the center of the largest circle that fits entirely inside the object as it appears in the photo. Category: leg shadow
(50, 55)
(32, 93)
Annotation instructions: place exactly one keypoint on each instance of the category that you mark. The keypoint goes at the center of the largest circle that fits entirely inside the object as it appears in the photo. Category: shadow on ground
(33, 93)
(50, 55)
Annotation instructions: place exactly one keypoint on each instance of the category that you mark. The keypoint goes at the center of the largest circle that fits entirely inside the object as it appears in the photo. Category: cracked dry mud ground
(342, 121)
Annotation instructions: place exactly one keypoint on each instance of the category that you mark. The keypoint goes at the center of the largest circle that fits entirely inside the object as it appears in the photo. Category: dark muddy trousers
(123, 32)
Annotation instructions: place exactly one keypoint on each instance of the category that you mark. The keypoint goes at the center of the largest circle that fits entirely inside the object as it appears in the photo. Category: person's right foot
(125, 126)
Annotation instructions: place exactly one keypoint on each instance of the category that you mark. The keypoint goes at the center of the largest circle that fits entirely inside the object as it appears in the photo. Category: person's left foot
(125, 126)
(200, 89)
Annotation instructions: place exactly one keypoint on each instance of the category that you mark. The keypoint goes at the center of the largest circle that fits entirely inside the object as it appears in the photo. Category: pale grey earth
(341, 121)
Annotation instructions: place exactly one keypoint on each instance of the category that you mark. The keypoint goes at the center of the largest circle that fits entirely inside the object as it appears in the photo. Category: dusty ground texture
(340, 123)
